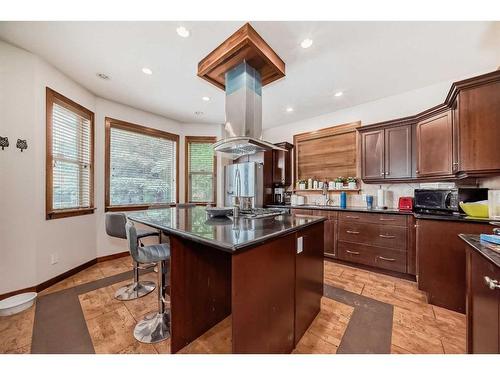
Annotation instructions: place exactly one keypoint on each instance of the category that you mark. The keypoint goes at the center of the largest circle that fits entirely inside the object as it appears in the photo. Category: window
(141, 166)
(200, 170)
(69, 157)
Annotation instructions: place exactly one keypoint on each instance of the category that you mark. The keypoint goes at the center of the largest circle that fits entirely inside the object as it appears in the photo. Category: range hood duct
(243, 126)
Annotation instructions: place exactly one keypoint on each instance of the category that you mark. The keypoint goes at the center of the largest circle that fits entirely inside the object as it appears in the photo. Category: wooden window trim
(52, 97)
(119, 124)
(198, 139)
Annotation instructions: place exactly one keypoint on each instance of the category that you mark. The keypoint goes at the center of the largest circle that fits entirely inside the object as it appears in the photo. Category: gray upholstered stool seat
(115, 227)
(155, 326)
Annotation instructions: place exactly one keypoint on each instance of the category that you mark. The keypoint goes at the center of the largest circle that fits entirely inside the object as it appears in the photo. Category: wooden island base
(272, 290)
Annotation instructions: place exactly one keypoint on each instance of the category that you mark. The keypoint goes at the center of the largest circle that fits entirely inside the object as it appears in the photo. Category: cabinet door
(308, 277)
(398, 152)
(329, 237)
(479, 124)
(483, 310)
(434, 146)
(372, 154)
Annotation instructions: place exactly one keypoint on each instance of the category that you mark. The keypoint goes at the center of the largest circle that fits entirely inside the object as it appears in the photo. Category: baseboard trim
(46, 284)
(112, 256)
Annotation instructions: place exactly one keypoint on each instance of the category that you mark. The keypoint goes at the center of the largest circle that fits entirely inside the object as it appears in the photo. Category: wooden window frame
(198, 139)
(52, 97)
(119, 124)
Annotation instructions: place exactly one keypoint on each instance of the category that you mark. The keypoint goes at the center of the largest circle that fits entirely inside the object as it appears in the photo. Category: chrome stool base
(155, 327)
(135, 290)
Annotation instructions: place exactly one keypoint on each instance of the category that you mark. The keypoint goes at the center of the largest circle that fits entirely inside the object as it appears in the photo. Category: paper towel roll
(381, 198)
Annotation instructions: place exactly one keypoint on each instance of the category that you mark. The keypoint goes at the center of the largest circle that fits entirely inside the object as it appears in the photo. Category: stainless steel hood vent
(243, 127)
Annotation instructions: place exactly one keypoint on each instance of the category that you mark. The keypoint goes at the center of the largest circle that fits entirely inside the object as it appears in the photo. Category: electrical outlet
(54, 258)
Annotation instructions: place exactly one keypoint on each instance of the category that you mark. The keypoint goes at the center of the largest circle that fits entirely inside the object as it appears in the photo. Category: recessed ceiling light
(289, 109)
(182, 31)
(147, 71)
(205, 98)
(198, 113)
(339, 93)
(102, 76)
(306, 43)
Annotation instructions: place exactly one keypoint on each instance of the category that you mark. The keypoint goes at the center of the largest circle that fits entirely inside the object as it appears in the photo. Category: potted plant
(351, 183)
(339, 183)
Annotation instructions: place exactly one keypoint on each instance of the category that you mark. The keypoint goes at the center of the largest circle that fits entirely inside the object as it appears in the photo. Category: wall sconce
(4, 142)
(22, 144)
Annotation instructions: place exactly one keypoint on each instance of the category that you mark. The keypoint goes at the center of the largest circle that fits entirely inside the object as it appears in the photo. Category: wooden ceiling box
(327, 153)
(244, 45)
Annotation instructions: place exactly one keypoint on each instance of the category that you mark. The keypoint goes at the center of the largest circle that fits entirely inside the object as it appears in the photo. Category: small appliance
(279, 195)
(446, 201)
(405, 204)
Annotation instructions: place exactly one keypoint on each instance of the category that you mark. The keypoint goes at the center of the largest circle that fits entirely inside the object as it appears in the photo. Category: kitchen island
(266, 273)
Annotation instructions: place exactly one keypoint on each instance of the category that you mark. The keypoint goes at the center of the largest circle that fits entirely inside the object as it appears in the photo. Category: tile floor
(418, 327)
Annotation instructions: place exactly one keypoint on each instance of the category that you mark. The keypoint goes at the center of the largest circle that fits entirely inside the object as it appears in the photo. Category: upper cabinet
(434, 146)
(387, 153)
(456, 139)
(477, 112)
(282, 164)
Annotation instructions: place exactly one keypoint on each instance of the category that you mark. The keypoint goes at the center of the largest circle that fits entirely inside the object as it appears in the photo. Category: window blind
(71, 159)
(201, 172)
(142, 168)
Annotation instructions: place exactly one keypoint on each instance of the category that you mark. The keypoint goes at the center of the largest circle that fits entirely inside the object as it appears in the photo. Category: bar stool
(115, 227)
(155, 326)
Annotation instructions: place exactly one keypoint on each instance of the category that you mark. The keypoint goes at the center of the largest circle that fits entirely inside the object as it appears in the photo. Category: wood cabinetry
(282, 164)
(478, 131)
(372, 151)
(308, 278)
(435, 146)
(441, 260)
(378, 240)
(456, 139)
(483, 305)
(388, 153)
(330, 228)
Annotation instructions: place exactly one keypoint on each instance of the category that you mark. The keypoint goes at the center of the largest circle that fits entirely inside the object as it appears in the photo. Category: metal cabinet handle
(382, 219)
(352, 252)
(490, 283)
(352, 217)
(386, 236)
(352, 232)
(386, 259)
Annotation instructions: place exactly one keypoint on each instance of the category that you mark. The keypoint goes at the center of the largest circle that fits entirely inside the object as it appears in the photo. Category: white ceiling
(365, 60)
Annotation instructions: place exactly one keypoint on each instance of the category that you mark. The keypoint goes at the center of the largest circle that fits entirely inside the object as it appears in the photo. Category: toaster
(405, 204)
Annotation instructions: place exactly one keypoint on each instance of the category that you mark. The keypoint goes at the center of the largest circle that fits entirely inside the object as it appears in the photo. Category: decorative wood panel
(327, 153)
(244, 45)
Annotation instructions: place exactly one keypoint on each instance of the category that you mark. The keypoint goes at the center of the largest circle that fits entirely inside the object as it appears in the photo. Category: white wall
(27, 239)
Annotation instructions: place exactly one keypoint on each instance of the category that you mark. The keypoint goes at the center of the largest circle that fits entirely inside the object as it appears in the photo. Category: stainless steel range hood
(243, 126)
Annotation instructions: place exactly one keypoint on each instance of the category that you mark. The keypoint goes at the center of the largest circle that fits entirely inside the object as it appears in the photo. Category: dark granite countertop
(483, 248)
(348, 209)
(388, 211)
(227, 234)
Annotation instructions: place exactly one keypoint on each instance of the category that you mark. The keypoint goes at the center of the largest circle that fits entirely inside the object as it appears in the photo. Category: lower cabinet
(483, 305)
(441, 260)
(374, 239)
(308, 278)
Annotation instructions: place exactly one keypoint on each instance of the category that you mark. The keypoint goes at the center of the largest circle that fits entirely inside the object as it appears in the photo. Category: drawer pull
(386, 259)
(490, 283)
(352, 252)
(352, 217)
(352, 232)
(382, 219)
(386, 236)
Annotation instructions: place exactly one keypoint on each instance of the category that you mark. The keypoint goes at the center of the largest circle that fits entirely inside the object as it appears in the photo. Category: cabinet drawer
(388, 259)
(325, 213)
(301, 211)
(364, 217)
(373, 234)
